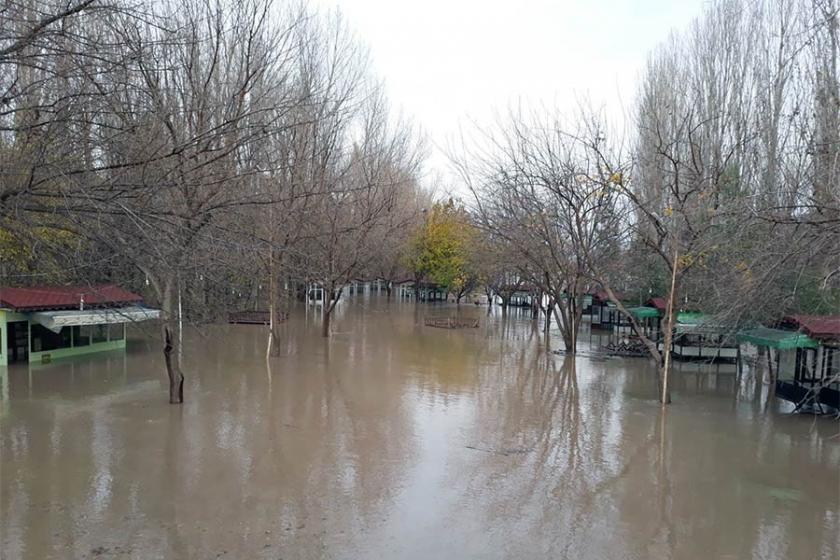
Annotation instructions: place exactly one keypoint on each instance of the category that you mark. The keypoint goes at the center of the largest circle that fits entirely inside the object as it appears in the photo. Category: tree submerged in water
(229, 155)
(443, 250)
(196, 152)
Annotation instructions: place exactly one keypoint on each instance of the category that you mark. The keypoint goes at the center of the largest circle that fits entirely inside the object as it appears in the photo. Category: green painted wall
(4, 359)
(7, 316)
(52, 355)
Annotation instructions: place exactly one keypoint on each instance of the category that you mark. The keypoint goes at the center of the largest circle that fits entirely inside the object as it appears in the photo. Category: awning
(691, 322)
(776, 338)
(701, 329)
(55, 320)
(690, 318)
(644, 312)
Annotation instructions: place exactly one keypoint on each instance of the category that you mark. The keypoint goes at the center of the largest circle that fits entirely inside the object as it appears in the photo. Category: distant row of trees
(199, 151)
(724, 196)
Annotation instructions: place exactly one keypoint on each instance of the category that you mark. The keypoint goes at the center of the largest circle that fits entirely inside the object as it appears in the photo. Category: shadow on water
(396, 440)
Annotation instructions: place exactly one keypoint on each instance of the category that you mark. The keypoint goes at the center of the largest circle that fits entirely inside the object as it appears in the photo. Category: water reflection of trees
(545, 456)
(302, 460)
(578, 452)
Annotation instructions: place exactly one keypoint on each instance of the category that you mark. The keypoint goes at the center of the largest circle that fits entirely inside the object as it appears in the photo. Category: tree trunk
(561, 316)
(329, 307)
(665, 395)
(273, 304)
(173, 371)
(549, 309)
(325, 324)
(176, 378)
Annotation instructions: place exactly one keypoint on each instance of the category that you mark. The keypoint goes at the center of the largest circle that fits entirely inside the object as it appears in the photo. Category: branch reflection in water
(392, 439)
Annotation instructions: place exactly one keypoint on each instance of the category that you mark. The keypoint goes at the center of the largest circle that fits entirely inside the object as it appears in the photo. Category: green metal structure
(777, 339)
(644, 312)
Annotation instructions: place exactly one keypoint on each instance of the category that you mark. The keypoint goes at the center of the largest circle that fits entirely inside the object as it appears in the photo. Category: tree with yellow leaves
(442, 249)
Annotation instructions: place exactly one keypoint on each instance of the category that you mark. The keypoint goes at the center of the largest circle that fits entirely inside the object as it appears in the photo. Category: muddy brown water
(397, 440)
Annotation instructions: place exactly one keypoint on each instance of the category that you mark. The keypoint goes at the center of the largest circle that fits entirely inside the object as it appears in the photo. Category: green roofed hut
(698, 337)
(40, 324)
(648, 318)
(807, 358)
(624, 340)
(777, 339)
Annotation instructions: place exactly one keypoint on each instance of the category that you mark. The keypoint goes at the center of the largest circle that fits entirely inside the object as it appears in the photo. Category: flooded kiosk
(803, 356)
(44, 323)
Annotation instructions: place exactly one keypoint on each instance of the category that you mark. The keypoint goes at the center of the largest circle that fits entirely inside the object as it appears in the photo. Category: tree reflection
(393, 432)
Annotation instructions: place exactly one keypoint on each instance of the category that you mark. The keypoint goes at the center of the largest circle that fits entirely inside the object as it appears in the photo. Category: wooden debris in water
(252, 317)
(451, 323)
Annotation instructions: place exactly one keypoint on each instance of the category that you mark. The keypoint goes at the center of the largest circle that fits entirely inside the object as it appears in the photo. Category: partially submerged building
(40, 324)
(803, 355)
(648, 318)
(699, 337)
(425, 291)
(696, 337)
(604, 314)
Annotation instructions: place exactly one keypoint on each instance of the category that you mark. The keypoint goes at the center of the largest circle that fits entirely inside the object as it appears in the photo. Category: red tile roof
(816, 326)
(658, 302)
(65, 297)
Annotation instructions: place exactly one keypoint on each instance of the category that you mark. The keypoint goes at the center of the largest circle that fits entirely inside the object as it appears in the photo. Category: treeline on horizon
(221, 154)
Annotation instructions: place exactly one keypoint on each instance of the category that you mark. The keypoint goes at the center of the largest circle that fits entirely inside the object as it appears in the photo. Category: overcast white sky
(447, 61)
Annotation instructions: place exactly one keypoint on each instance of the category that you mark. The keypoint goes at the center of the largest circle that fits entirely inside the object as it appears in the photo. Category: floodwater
(396, 440)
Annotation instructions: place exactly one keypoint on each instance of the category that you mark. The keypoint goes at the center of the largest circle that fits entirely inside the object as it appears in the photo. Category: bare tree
(172, 141)
(357, 203)
(545, 187)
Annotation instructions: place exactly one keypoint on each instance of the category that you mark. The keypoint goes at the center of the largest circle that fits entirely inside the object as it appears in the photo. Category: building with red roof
(803, 354)
(658, 303)
(821, 327)
(42, 323)
(602, 312)
(66, 297)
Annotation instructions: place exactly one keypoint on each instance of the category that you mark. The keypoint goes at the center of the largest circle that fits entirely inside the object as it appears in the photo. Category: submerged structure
(696, 337)
(43, 323)
(803, 355)
(424, 291)
(604, 314)
(648, 318)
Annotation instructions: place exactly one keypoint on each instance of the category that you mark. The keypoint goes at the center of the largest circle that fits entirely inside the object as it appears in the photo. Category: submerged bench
(252, 317)
(451, 323)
